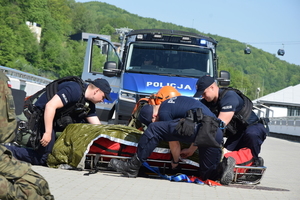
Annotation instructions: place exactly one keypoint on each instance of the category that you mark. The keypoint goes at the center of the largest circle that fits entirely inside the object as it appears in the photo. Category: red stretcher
(104, 149)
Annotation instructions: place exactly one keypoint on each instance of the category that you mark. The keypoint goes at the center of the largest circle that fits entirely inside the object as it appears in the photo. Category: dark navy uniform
(70, 93)
(177, 107)
(252, 136)
(169, 113)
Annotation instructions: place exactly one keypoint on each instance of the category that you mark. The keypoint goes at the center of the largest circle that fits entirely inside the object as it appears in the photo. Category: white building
(283, 103)
(283, 109)
(35, 29)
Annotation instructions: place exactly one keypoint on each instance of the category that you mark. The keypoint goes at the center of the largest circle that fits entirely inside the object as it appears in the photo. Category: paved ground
(281, 181)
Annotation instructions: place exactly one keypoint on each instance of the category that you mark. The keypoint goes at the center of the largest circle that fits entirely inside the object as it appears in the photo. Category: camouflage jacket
(19, 181)
(8, 122)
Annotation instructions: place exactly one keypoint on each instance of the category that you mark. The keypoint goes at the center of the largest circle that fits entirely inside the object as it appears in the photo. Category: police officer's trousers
(252, 138)
(35, 157)
(209, 157)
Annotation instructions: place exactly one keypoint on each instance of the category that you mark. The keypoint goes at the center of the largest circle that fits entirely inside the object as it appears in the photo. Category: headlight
(127, 96)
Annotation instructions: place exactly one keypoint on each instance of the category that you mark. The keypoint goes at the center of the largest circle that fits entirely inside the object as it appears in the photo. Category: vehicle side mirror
(110, 69)
(224, 78)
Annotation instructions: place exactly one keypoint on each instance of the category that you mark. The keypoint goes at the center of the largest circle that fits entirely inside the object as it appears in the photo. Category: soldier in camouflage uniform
(19, 181)
(8, 122)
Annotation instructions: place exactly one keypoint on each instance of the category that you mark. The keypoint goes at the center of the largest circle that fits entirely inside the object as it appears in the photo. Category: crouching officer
(66, 101)
(243, 127)
(187, 120)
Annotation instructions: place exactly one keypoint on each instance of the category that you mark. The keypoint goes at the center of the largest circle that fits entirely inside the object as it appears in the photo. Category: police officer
(68, 95)
(243, 130)
(8, 120)
(166, 119)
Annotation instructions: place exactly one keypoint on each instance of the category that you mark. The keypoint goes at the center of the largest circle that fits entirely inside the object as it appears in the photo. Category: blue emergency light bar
(203, 42)
(165, 36)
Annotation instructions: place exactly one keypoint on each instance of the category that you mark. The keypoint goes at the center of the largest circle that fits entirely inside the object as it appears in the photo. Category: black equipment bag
(207, 132)
(186, 126)
(205, 127)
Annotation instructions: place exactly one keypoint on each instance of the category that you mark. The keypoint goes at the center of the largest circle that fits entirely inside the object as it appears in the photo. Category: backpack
(133, 121)
(35, 116)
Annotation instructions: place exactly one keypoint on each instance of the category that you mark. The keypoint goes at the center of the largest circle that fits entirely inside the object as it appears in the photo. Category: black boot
(258, 162)
(227, 166)
(129, 168)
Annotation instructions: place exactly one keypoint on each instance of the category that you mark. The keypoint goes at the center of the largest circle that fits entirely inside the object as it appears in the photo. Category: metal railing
(285, 121)
(13, 73)
(285, 125)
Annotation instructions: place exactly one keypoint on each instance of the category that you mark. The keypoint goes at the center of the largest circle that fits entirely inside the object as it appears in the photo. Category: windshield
(169, 59)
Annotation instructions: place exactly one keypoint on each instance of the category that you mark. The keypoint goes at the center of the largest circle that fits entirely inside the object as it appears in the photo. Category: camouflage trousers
(19, 181)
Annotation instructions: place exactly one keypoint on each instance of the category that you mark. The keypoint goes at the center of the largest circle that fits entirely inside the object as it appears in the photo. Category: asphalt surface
(281, 181)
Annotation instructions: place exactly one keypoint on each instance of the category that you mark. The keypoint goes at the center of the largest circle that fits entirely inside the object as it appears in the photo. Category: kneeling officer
(186, 120)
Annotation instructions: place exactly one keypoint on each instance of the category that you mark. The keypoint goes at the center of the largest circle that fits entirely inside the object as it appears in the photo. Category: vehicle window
(169, 59)
(102, 51)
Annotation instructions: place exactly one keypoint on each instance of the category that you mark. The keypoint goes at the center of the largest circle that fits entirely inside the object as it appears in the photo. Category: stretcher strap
(176, 178)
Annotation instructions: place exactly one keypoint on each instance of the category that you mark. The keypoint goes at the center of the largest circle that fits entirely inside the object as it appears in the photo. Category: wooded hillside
(57, 56)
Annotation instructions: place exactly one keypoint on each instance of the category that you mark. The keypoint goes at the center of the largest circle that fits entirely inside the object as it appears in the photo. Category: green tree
(56, 55)
(107, 30)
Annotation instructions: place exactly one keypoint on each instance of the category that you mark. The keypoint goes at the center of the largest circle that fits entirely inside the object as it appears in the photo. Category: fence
(25, 81)
(285, 125)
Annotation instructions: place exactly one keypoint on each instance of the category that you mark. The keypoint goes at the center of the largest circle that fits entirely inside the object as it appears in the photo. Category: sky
(265, 24)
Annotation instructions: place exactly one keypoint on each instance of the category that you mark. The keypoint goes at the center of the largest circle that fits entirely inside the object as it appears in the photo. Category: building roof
(289, 96)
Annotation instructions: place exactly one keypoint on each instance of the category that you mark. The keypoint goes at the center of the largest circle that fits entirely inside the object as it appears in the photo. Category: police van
(148, 60)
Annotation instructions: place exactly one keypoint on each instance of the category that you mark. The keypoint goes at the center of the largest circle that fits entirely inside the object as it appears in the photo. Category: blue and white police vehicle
(148, 60)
